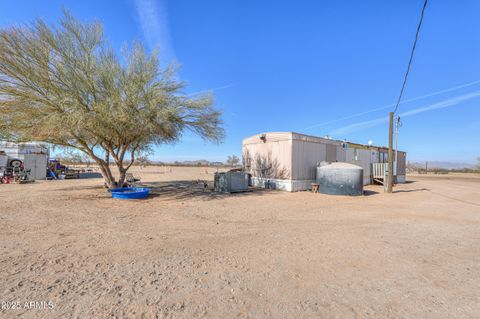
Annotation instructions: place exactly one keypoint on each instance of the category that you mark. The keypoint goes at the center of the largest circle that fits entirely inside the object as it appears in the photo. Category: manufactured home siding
(306, 155)
(341, 154)
(272, 157)
(296, 156)
(308, 151)
(269, 137)
(362, 158)
(331, 155)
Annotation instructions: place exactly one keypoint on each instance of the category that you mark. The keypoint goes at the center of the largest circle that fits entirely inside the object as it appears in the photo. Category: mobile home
(288, 160)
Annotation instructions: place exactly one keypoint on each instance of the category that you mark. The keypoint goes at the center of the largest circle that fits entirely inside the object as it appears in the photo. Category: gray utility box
(3, 160)
(38, 165)
(231, 182)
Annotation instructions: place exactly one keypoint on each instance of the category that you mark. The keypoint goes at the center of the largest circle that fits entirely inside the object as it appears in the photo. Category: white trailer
(33, 155)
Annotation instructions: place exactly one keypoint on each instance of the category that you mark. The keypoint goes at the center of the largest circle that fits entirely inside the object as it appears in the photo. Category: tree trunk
(107, 175)
(106, 172)
(122, 173)
(110, 181)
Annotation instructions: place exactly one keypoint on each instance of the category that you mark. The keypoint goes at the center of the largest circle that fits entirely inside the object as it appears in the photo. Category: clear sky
(307, 66)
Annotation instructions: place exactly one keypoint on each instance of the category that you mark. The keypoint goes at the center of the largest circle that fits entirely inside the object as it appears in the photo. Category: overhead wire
(411, 57)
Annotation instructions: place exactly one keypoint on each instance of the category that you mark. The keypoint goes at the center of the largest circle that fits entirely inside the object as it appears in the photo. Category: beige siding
(308, 151)
(287, 155)
(306, 155)
(271, 159)
(331, 155)
(341, 154)
(362, 158)
(313, 139)
(269, 137)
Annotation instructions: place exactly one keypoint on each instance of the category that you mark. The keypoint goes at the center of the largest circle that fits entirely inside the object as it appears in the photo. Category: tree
(64, 85)
(478, 164)
(233, 160)
(75, 157)
(143, 160)
(72, 157)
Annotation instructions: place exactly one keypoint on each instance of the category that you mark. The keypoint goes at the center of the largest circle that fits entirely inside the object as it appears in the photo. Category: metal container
(340, 179)
(37, 163)
(231, 182)
(3, 160)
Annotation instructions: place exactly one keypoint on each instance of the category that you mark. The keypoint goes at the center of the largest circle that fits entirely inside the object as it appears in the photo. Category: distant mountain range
(192, 163)
(445, 165)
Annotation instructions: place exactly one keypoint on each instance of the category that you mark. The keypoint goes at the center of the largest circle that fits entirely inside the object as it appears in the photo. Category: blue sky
(308, 66)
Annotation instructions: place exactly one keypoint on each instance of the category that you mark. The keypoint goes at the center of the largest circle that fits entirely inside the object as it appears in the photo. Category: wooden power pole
(390, 156)
(390, 131)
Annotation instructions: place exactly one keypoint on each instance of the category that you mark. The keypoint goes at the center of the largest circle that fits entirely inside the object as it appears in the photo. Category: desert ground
(189, 253)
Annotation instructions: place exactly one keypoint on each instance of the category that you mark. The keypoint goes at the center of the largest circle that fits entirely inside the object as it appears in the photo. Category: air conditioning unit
(231, 182)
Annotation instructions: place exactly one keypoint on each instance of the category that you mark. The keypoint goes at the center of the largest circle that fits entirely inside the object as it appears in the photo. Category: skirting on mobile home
(288, 160)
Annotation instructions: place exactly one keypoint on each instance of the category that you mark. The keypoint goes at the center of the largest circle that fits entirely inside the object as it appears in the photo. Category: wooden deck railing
(378, 171)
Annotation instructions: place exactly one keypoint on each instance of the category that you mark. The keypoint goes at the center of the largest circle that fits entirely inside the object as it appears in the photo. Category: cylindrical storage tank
(340, 179)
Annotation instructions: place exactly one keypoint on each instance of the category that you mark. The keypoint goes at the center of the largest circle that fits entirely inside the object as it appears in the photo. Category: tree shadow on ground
(187, 189)
(412, 190)
(369, 193)
(82, 187)
(88, 175)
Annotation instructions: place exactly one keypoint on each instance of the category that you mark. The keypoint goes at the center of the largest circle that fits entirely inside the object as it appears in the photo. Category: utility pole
(390, 131)
(390, 156)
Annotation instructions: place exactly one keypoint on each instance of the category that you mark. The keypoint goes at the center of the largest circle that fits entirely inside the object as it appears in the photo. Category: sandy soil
(185, 253)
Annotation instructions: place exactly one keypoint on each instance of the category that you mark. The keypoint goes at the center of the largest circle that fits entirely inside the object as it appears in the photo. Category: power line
(218, 88)
(393, 104)
(411, 56)
(390, 129)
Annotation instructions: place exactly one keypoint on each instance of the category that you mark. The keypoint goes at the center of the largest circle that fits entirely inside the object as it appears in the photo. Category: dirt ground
(186, 253)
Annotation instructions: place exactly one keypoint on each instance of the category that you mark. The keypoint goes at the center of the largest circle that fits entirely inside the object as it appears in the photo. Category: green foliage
(233, 160)
(64, 85)
(75, 157)
(143, 160)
